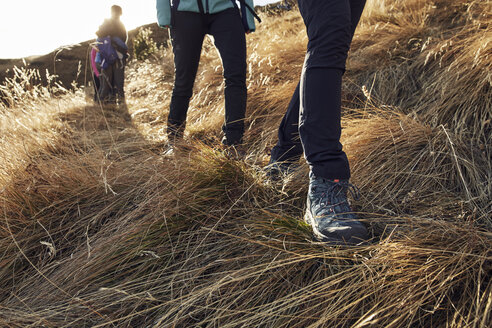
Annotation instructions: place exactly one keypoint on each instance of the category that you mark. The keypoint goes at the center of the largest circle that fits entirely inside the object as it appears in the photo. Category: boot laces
(335, 193)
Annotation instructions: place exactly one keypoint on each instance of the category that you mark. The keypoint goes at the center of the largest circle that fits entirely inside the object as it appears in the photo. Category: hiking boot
(169, 151)
(276, 171)
(235, 152)
(174, 140)
(329, 213)
(171, 148)
(109, 101)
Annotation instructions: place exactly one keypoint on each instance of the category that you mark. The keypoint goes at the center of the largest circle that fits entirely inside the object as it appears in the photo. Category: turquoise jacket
(209, 6)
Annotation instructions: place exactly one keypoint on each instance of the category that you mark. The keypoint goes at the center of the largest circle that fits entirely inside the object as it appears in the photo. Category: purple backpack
(107, 52)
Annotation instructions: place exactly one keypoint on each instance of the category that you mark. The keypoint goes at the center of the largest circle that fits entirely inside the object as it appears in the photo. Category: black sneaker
(329, 212)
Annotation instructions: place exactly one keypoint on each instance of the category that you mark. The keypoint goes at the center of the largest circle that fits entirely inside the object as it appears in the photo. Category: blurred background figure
(95, 66)
(113, 52)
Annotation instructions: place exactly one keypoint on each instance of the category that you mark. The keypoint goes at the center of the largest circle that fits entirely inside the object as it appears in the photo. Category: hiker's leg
(356, 9)
(329, 29)
(97, 85)
(228, 32)
(288, 147)
(112, 98)
(187, 38)
(119, 79)
(106, 77)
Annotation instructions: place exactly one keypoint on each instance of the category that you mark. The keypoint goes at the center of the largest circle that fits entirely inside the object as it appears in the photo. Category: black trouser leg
(97, 85)
(289, 147)
(330, 26)
(229, 38)
(356, 9)
(187, 37)
(319, 123)
(106, 76)
(119, 79)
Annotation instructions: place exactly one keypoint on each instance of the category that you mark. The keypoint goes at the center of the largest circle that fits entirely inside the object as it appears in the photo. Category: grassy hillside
(68, 63)
(99, 230)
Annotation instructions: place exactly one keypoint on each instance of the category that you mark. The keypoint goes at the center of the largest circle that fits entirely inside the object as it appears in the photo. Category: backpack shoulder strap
(200, 6)
(251, 10)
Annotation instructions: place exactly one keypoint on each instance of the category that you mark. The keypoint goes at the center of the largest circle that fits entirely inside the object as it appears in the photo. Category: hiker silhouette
(113, 53)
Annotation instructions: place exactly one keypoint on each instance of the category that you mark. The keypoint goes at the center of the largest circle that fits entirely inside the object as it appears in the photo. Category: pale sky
(35, 27)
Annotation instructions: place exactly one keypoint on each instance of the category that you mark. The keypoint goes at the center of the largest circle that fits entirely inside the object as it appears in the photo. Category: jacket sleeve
(250, 18)
(163, 12)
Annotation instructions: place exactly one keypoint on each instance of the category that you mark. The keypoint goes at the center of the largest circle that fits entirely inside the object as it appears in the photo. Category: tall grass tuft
(26, 86)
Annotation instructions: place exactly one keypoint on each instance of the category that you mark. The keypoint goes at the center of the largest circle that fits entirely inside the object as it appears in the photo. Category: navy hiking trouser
(112, 81)
(312, 123)
(187, 36)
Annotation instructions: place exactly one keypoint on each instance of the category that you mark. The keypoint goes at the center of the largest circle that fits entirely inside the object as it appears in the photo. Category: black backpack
(244, 8)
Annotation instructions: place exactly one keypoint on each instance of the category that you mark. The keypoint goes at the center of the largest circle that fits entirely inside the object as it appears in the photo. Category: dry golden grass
(420, 55)
(98, 230)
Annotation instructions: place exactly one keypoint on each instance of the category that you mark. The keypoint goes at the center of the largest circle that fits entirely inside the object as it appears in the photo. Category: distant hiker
(95, 65)
(112, 46)
(314, 115)
(189, 21)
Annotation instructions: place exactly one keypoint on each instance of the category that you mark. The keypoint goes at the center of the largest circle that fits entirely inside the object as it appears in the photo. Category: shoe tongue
(337, 182)
(327, 185)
